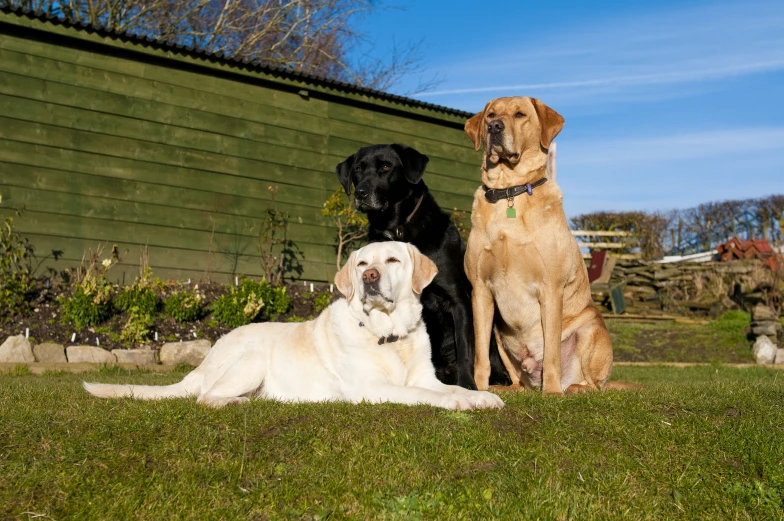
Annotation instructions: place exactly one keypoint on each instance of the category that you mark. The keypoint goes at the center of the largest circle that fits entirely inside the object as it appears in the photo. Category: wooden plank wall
(99, 146)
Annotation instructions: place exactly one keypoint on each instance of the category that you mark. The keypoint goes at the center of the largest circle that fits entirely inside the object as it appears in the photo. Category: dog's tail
(189, 386)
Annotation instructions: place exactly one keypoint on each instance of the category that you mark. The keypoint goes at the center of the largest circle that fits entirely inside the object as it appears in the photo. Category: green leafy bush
(90, 303)
(136, 296)
(141, 302)
(249, 301)
(16, 272)
(322, 301)
(184, 306)
(138, 327)
(88, 306)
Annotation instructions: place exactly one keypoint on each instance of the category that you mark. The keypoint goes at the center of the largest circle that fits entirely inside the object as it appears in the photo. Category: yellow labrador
(371, 346)
(522, 258)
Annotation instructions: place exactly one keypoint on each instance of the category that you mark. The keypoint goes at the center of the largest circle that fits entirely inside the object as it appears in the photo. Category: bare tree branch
(312, 36)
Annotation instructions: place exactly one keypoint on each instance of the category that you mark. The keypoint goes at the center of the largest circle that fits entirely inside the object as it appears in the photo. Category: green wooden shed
(109, 138)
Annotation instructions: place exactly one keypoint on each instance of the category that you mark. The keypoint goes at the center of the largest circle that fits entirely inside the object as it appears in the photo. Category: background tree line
(658, 232)
(317, 37)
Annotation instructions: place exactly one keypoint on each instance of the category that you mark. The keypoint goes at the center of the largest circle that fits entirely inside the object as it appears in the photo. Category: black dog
(399, 206)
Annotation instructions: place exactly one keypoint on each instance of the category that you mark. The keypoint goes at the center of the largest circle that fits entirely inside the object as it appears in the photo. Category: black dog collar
(494, 194)
(397, 233)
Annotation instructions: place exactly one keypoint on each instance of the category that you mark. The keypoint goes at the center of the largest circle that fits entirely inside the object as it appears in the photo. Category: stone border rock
(39, 368)
(16, 350)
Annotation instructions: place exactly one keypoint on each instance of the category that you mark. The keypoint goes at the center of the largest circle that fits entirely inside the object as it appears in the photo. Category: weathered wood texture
(109, 139)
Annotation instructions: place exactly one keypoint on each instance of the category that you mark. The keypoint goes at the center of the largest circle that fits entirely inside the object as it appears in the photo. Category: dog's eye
(519, 114)
(358, 169)
(491, 115)
(386, 167)
(392, 259)
(362, 263)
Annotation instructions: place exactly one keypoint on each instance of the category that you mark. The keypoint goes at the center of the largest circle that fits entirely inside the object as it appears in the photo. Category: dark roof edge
(247, 64)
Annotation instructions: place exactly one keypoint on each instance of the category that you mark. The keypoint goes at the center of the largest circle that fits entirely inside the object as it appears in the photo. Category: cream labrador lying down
(371, 346)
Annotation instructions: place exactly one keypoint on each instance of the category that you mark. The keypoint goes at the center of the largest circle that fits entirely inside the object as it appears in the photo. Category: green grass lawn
(722, 340)
(697, 443)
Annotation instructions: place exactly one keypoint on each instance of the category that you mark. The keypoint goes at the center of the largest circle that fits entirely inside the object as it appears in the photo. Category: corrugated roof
(246, 63)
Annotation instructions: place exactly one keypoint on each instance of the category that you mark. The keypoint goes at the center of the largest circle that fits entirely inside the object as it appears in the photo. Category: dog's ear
(414, 162)
(473, 128)
(550, 164)
(344, 172)
(550, 120)
(425, 270)
(343, 279)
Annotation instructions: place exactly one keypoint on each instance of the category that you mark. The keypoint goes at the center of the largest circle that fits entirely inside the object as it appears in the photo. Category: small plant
(250, 300)
(352, 226)
(90, 303)
(184, 306)
(278, 254)
(138, 327)
(144, 299)
(322, 301)
(141, 302)
(16, 271)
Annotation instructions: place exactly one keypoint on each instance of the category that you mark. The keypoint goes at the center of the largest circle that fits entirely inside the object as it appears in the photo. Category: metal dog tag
(511, 213)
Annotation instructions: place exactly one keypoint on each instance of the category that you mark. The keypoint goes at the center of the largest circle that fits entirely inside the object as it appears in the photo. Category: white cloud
(688, 75)
(650, 54)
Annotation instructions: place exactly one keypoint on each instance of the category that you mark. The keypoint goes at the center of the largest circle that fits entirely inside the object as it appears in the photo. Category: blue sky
(667, 104)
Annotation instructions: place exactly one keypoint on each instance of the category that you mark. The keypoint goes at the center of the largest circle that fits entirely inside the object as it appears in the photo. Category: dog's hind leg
(511, 370)
(241, 380)
(594, 349)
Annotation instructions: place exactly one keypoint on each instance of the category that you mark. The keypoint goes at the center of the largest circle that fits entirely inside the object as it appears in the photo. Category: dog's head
(381, 174)
(514, 129)
(382, 274)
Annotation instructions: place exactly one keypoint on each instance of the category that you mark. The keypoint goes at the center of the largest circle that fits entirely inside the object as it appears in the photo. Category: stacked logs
(695, 288)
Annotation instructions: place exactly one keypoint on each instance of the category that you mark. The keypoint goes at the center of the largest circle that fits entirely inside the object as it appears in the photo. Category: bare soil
(45, 324)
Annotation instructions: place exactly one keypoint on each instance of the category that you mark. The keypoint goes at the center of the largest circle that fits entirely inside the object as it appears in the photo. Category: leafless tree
(312, 36)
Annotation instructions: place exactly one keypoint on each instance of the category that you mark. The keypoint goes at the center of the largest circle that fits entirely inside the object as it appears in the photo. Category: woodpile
(695, 289)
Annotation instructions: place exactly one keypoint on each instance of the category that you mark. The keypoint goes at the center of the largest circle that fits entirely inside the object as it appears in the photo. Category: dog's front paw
(380, 324)
(454, 402)
(485, 400)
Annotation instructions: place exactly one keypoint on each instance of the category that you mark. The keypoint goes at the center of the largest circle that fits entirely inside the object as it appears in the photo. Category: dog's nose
(361, 192)
(496, 126)
(370, 276)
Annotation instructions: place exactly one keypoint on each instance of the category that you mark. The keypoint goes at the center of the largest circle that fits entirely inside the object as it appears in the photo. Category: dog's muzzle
(370, 278)
(496, 128)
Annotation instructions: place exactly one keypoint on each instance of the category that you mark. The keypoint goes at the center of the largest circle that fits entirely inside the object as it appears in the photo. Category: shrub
(351, 225)
(279, 255)
(88, 306)
(90, 303)
(144, 299)
(16, 273)
(322, 301)
(250, 300)
(138, 327)
(184, 306)
(141, 302)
